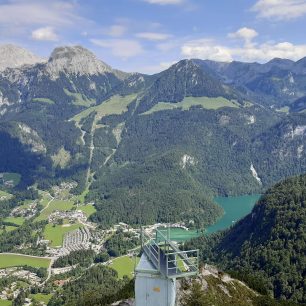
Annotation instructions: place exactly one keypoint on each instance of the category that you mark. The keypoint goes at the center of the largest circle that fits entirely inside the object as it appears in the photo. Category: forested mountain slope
(186, 132)
(276, 83)
(267, 248)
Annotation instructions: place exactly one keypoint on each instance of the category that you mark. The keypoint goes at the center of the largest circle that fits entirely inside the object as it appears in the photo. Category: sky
(149, 35)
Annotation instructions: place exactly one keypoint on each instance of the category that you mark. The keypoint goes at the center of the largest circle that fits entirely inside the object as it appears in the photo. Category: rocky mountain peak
(302, 61)
(300, 66)
(75, 60)
(185, 64)
(280, 63)
(12, 56)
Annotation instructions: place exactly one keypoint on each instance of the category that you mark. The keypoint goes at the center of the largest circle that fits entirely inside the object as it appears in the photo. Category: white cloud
(206, 49)
(268, 51)
(123, 48)
(45, 33)
(246, 34)
(117, 30)
(280, 9)
(18, 18)
(165, 2)
(153, 36)
(33, 12)
(209, 49)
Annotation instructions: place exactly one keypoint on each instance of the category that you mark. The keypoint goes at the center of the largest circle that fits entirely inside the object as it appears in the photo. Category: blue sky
(149, 35)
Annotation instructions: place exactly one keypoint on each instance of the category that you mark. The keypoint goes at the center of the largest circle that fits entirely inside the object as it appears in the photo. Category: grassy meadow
(116, 105)
(10, 260)
(124, 265)
(16, 220)
(88, 209)
(56, 233)
(188, 102)
(61, 205)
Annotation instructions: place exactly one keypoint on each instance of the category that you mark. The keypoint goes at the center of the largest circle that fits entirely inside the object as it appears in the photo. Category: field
(79, 99)
(188, 102)
(40, 297)
(81, 197)
(4, 195)
(284, 109)
(45, 198)
(9, 260)
(26, 204)
(116, 105)
(5, 303)
(10, 176)
(87, 209)
(56, 233)
(55, 205)
(8, 228)
(15, 220)
(124, 265)
(61, 158)
(43, 100)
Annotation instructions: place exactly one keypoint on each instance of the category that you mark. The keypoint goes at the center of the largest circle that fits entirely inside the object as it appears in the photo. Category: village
(87, 237)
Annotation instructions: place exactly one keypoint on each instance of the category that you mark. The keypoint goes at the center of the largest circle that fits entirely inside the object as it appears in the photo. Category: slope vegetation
(271, 240)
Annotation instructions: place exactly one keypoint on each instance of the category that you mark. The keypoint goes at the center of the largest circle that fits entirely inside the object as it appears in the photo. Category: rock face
(75, 60)
(129, 302)
(12, 56)
(214, 288)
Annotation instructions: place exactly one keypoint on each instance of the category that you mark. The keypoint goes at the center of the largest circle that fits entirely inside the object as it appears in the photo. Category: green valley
(91, 155)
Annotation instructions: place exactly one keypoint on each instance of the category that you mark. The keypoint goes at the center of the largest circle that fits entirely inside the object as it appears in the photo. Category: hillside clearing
(188, 102)
(8, 228)
(40, 297)
(61, 158)
(60, 205)
(116, 105)
(10, 179)
(79, 99)
(88, 209)
(15, 220)
(43, 100)
(5, 303)
(4, 195)
(124, 265)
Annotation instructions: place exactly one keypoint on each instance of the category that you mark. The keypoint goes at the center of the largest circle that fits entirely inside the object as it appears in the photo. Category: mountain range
(168, 141)
(157, 148)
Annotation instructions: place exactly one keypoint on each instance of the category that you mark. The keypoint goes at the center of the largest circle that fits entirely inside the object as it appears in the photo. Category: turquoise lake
(234, 208)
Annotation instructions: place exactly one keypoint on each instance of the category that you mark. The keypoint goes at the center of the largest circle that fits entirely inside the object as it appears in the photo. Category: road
(86, 224)
(52, 199)
(49, 270)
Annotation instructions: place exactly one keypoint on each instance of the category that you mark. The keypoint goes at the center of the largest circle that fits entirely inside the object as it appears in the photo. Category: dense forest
(82, 258)
(25, 234)
(120, 243)
(98, 286)
(267, 248)
(143, 160)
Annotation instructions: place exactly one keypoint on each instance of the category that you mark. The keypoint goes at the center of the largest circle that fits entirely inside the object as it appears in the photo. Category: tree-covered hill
(174, 139)
(267, 248)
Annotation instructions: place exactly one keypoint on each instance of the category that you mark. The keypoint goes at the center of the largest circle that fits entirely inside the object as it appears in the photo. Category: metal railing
(165, 255)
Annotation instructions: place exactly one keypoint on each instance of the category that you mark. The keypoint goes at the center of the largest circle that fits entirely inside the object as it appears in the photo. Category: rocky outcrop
(12, 56)
(75, 60)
